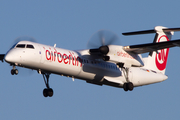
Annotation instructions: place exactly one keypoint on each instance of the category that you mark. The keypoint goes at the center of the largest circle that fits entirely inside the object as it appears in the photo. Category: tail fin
(157, 60)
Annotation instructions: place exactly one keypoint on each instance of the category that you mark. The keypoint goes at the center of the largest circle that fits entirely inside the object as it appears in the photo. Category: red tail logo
(161, 58)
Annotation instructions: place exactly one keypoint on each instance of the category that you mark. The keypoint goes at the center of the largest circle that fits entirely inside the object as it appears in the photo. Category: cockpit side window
(20, 46)
(30, 46)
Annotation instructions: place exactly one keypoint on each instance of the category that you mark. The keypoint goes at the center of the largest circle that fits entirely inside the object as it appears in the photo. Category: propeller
(100, 40)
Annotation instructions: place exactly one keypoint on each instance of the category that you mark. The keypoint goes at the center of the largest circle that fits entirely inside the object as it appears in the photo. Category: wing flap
(144, 48)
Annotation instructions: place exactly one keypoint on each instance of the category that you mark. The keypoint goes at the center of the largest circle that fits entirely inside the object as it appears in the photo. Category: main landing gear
(127, 85)
(14, 71)
(47, 91)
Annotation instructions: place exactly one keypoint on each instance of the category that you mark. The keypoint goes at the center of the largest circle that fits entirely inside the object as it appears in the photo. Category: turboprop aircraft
(113, 65)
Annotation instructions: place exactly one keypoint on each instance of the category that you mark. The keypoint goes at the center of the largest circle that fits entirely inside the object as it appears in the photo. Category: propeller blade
(102, 38)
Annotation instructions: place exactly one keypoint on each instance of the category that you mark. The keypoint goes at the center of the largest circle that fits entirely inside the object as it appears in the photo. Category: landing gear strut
(128, 85)
(47, 91)
(14, 71)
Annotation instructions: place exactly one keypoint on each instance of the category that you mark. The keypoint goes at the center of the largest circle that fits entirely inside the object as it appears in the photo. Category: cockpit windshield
(24, 46)
(20, 46)
(30, 46)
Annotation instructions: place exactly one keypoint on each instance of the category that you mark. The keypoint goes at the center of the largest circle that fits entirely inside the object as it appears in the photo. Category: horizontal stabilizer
(143, 48)
(150, 31)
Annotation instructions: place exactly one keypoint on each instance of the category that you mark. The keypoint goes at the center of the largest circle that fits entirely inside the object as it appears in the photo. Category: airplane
(112, 65)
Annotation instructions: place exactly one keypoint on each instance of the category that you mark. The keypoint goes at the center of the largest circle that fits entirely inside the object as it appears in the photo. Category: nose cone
(9, 58)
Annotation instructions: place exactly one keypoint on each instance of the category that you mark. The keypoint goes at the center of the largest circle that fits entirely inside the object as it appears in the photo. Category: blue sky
(70, 24)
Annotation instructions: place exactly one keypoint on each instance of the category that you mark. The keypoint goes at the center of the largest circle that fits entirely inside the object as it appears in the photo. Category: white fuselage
(78, 64)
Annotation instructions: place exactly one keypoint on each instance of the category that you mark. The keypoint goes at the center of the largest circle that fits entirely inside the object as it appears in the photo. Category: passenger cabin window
(30, 46)
(20, 46)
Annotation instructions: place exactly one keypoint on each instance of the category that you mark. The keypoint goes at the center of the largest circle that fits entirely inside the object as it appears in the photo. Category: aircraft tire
(12, 72)
(45, 92)
(16, 71)
(50, 92)
(125, 87)
(130, 86)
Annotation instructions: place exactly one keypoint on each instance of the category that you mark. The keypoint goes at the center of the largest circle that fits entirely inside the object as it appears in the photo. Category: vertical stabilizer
(157, 60)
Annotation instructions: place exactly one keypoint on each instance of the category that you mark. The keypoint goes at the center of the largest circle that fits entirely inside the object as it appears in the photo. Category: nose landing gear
(47, 91)
(14, 71)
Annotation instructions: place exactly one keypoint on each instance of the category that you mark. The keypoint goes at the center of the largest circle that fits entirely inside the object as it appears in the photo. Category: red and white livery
(113, 65)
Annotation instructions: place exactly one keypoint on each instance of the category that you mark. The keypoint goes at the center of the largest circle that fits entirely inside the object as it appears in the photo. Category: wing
(2, 57)
(144, 48)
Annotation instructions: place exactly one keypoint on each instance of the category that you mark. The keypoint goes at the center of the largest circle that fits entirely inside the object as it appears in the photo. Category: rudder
(157, 60)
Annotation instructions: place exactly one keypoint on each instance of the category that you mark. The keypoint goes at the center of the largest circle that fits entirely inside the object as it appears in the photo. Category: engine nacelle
(118, 55)
(104, 49)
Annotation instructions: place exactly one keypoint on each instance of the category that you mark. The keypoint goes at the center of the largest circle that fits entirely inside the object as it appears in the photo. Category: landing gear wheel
(45, 92)
(128, 86)
(14, 71)
(125, 87)
(48, 92)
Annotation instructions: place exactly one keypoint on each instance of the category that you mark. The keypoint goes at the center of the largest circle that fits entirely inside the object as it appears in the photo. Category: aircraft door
(41, 54)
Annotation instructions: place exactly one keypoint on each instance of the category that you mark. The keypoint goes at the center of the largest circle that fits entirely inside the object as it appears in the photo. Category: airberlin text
(69, 59)
(123, 54)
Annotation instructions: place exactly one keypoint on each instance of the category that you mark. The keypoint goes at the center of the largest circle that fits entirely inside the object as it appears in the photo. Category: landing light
(126, 47)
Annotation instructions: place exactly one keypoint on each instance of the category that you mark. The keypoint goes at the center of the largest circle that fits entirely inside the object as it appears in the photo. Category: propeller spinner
(100, 41)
